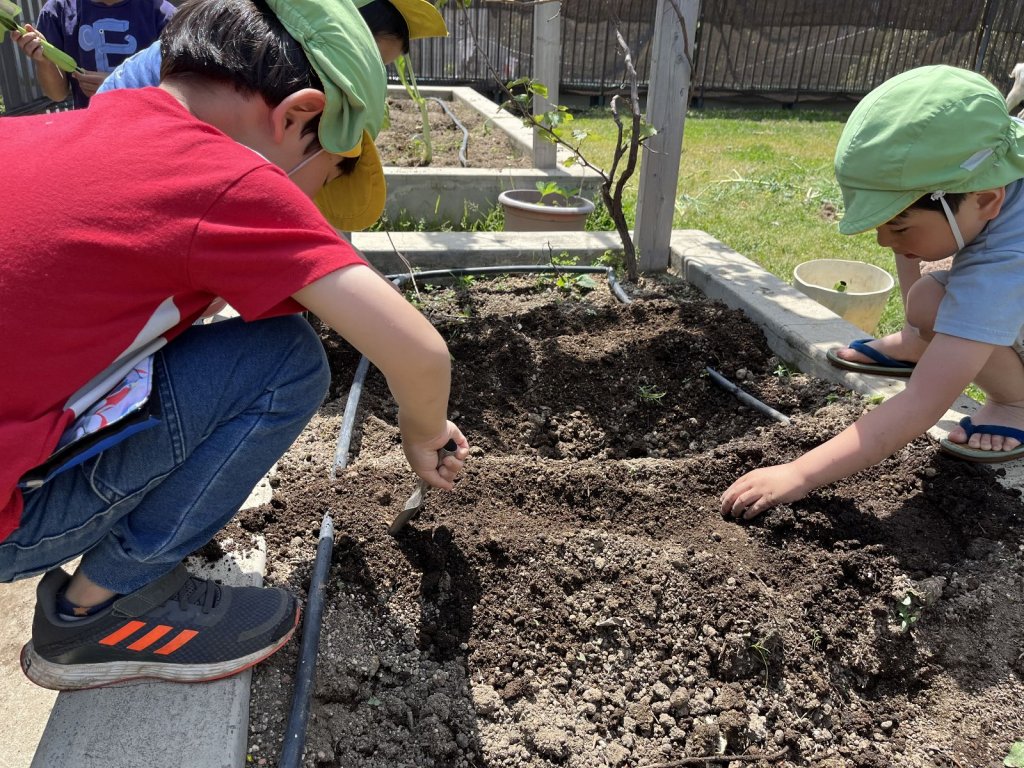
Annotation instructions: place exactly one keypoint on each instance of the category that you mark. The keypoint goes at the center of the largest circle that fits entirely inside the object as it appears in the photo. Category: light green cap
(343, 53)
(931, 129)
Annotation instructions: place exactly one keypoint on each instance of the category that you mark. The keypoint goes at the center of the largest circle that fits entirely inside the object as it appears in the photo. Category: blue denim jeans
(233, 397)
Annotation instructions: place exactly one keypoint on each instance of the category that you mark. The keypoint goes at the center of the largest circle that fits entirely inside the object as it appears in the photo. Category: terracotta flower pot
(527, 211)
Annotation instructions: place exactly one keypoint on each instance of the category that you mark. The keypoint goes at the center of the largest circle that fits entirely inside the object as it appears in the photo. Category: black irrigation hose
(355, 391)
(465, 133)
(295, 733)
(746, 397)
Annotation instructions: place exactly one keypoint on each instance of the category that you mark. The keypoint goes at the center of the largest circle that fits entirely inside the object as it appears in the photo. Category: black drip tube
(355, 391)
(465, 134)
(295, 733)
(746, 397)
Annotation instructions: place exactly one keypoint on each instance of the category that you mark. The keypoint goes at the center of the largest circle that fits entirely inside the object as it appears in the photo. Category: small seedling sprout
(909, 611)
(651, 394)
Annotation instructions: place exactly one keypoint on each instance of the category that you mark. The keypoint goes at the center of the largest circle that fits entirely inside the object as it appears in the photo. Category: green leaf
(59, 58)
(586, 282)
(1016, 757)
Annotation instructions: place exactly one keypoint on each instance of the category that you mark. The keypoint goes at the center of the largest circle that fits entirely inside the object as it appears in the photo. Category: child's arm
(947, 366)
(377, 320)
(53, 82)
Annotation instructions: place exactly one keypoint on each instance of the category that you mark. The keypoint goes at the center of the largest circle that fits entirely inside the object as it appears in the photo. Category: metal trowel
(414, 505)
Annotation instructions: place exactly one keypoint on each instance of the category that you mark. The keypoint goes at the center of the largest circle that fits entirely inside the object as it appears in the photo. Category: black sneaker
(178, 628)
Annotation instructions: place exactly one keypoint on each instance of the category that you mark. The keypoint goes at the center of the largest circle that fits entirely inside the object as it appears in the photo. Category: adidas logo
(153, 636)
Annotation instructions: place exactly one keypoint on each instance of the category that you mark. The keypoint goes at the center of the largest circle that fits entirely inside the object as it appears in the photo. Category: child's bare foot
(892, 355)
(902, 346)
(1006, 415)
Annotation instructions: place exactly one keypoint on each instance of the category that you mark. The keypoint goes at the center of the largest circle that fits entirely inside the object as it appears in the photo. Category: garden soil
(579, 601)
(401, 143)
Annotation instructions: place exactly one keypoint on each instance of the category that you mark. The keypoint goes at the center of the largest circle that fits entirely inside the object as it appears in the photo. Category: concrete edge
(449, 250)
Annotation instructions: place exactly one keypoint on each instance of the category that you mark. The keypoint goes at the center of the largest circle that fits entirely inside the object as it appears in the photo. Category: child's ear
(295, 111)
(990, 202)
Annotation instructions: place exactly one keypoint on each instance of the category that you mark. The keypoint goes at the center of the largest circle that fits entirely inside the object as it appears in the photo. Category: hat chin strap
(940, 195)
(317, 154)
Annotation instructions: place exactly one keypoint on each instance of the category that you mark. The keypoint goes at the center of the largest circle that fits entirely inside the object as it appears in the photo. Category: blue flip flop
(965, 452)
(883, 365)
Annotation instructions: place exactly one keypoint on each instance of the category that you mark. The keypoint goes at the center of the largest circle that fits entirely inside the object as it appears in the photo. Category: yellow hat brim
(422, 18)
(356, 200)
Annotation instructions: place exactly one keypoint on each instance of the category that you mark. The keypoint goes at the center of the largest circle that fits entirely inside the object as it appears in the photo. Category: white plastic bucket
(863, 299)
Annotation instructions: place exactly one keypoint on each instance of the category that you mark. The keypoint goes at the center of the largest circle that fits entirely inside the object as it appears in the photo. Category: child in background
(933, 162)
(206, 183)
(97, 34)
(393, 23)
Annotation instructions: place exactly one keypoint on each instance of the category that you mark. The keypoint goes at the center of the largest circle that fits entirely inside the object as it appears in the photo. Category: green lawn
(762, 183)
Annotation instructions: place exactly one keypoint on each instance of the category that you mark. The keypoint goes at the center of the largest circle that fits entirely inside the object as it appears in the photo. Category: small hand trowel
(414, 505)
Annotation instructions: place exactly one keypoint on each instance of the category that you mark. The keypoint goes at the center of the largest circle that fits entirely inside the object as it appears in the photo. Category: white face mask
(301, 165)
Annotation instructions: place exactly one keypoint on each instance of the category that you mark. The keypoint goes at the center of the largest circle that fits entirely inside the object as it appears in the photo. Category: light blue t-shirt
(140, 70)
(984, 298)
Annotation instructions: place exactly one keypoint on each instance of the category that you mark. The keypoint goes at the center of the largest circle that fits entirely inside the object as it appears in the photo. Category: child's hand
(30, 42)
(762, 489)
(424, 460)
(90, 81)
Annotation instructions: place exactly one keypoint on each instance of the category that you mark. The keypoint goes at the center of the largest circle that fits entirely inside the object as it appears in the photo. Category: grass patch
(761, 181)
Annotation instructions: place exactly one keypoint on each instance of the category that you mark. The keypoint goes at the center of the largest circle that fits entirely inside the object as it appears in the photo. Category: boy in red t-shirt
(197, 190)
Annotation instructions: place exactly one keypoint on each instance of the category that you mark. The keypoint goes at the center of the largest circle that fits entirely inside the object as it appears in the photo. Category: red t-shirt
(120, 225)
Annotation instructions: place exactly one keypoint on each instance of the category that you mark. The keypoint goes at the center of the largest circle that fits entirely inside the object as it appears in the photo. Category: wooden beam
(667, 98)
(547, 68)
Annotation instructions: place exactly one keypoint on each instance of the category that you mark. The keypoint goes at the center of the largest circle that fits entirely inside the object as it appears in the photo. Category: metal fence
(781, 48)
(823, 48)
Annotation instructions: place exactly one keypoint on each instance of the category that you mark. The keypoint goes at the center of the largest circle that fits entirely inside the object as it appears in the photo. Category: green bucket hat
(341, 50)
(931, 129)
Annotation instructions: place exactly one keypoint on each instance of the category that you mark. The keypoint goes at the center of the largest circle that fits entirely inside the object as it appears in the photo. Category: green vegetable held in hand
(840, 287)
(8, 11)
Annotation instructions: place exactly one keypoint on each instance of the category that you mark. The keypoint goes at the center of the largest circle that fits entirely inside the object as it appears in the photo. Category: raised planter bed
(435, 194)
(579, 601)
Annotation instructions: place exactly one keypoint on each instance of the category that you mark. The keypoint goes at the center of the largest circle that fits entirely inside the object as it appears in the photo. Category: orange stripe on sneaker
(150, 637)
(117, 636)
(179, 640)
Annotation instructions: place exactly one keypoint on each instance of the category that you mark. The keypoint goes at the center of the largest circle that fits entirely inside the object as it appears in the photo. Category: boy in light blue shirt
(933, 162)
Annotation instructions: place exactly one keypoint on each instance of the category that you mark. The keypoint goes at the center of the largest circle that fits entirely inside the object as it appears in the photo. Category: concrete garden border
(438, 194)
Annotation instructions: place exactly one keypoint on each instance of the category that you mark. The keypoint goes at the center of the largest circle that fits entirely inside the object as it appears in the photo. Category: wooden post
(547, 69)
(667, 98)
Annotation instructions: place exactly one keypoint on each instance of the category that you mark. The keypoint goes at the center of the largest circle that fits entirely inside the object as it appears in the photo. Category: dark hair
(240, 42)
(384, 20)
(925, 202)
